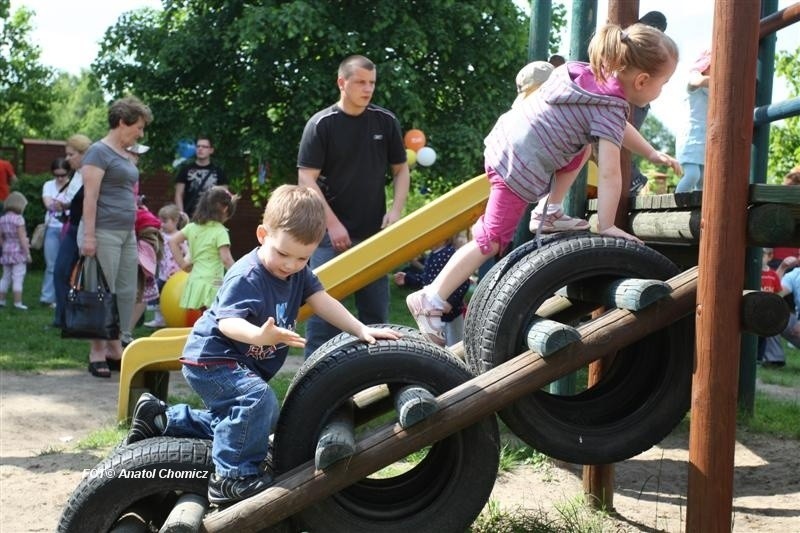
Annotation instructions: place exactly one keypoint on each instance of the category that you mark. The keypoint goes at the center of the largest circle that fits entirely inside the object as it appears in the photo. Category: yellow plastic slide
(405, 239)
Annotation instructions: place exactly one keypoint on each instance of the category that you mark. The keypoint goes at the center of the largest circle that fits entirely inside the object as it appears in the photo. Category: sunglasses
(60, 175)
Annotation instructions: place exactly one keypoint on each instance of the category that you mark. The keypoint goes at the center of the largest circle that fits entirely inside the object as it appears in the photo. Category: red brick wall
(158, 188)
(39, 154)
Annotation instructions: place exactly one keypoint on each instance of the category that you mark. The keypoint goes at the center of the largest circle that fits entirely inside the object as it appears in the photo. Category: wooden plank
(459, 408)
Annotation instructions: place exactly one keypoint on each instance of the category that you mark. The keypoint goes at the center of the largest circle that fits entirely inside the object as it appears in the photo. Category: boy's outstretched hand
(272, 335)
(660, 158)
(370, 335)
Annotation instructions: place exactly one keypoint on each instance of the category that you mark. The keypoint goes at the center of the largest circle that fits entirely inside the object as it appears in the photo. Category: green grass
(787, 376)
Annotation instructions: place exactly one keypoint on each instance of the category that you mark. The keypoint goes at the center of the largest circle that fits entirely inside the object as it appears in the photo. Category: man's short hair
(348, 67)
(297, 210)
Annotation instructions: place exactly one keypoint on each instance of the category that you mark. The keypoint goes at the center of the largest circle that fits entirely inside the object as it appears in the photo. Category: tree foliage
(784, 139)
(250, 73)
(24, 81)
(76, 106)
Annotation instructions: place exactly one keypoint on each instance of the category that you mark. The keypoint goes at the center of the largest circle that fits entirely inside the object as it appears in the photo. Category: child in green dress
(209, 248)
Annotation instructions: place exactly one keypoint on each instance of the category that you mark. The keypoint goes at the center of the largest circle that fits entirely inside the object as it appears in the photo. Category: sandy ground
(42, 416)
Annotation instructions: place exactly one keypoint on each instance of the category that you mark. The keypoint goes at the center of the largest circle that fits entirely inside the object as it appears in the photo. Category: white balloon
(426, 156)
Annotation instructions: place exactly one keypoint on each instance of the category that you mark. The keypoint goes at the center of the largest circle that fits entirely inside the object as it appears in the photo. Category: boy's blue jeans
(241, 415)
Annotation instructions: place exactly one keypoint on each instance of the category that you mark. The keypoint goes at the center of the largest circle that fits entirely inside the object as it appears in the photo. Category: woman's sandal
(99, 369)
(113, 364)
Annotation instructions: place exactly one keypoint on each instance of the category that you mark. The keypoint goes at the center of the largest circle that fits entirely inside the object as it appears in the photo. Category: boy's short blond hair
(297, 210)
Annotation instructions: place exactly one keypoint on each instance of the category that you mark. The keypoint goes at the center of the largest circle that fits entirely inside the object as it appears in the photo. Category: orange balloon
(414, 139)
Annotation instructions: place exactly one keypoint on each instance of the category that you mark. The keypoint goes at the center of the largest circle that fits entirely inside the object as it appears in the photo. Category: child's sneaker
(149, 419)
(155, 323)
(556, 222)
(428, 318)
(227, 490)
(21, 306)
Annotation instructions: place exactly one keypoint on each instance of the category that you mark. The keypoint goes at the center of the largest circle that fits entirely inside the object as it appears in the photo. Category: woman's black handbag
(90, 314)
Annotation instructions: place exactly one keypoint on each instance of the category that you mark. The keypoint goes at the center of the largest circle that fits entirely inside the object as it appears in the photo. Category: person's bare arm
(179, 190)
(402, 182)
(92, 176)
(332, 311)
(268, 334)
(177, 251)
(24, 242)
(633, 141)
(697, 80)
(226, 257)
(340, 237)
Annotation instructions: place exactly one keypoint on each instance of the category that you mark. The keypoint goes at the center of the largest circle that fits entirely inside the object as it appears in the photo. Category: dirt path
(42, 416)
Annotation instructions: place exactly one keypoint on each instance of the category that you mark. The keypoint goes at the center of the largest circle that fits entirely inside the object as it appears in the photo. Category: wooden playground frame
(720, 277)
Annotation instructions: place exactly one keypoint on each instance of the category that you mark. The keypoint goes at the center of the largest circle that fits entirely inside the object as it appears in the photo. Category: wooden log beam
(770, 225)
(546, 337)
(337, 440)
(413, 405)
(767, 225)
(187, 515)
(458, 408)
(712, 432)
(778, 20)
(764, 313)
(624, 293)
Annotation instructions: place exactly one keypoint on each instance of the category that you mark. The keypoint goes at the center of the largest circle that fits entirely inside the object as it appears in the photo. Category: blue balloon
(186, 148)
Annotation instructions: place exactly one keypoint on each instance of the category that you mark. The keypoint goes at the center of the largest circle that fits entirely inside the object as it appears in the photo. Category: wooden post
(458, 408)
(722, 251)
(598, 480)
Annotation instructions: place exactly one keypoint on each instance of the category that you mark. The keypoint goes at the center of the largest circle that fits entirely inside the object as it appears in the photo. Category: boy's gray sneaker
(227, 490)
(149, 419)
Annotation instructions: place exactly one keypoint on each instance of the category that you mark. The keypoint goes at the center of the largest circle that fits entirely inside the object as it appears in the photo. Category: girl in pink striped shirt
(541, 145)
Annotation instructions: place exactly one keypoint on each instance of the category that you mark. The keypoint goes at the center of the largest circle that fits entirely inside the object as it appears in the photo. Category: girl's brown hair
(215, 204)
(638, 46)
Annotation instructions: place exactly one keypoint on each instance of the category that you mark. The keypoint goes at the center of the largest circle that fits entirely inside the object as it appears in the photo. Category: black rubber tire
(342, 340)
(445, 491)
(638, 401)
(105, 495)
(482, 296)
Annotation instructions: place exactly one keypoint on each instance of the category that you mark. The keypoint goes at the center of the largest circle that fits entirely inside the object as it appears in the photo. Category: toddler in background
(16, 248)
(209, 248)
(454, 318)
(172, 221)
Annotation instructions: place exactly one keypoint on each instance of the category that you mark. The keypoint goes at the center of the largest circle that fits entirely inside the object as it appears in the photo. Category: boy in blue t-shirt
(242, 340)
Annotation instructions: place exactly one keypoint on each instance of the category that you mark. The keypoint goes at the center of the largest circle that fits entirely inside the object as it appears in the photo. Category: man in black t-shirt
(345, 152)
(197, 177)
